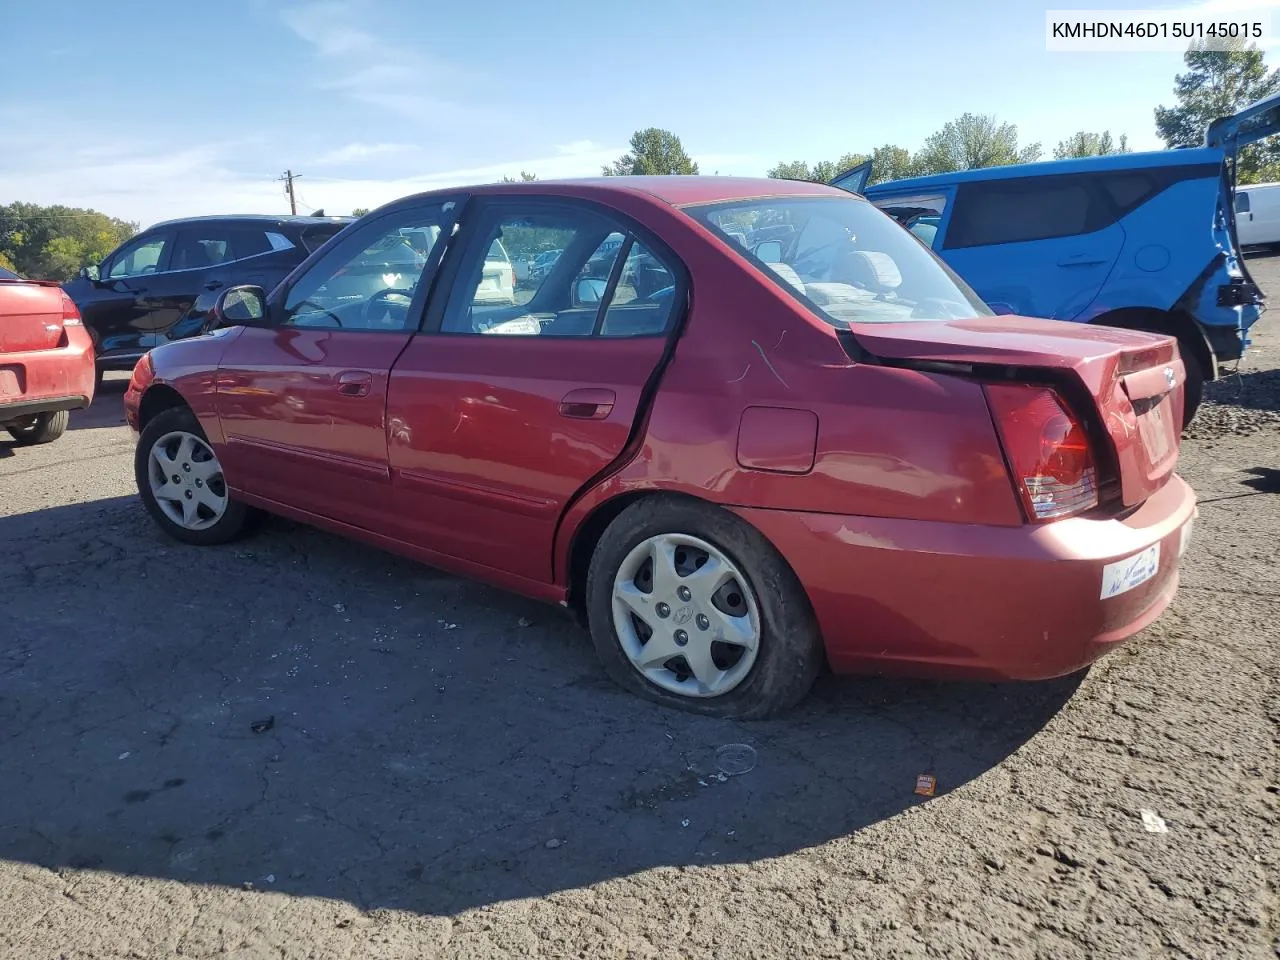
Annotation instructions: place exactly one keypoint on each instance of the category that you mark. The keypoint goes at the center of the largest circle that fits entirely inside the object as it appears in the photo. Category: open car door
(855, 179)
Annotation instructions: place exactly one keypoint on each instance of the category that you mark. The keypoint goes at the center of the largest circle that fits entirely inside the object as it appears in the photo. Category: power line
(54, 216)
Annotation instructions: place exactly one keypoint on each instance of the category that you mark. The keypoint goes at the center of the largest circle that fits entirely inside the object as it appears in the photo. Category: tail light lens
(1048, 451)
(70, 312)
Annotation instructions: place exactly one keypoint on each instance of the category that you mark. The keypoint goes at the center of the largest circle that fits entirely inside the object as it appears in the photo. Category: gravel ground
(294, 747)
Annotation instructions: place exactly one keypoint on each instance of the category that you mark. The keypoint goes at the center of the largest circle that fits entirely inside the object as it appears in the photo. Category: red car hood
(1135, 380)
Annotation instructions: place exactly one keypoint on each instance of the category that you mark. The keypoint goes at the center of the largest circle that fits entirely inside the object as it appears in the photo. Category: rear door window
(206, 245)
(1025, 209)
(586, 292)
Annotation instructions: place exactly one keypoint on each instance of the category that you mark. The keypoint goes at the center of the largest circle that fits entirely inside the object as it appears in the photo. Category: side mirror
(91, 273)
(589, 290)
(769, 251)
(237, 306)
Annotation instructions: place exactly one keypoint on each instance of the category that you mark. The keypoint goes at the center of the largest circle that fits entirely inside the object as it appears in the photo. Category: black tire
(42, 428)
(236, 520)
(1193, 390)
(790, 653)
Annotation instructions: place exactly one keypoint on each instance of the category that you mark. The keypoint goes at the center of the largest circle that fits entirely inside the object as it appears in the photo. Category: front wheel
(40, 428)
(181, 482)
(690, 606)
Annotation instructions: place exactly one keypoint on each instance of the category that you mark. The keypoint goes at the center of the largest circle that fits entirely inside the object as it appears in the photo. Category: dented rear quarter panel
(889, 442)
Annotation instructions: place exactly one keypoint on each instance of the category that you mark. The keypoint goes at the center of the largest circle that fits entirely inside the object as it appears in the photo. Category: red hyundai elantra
(743, 427)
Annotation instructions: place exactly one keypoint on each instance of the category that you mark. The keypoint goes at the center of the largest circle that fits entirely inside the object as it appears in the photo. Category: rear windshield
(843, 259)
(314, 237)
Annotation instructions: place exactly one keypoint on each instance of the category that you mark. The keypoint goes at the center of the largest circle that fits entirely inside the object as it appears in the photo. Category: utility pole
(288, 178)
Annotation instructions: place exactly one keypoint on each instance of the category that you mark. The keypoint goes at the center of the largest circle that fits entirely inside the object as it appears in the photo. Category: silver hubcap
(186, 480)
(685, 616)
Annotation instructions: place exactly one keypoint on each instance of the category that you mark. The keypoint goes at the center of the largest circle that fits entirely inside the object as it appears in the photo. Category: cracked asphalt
(295, 747)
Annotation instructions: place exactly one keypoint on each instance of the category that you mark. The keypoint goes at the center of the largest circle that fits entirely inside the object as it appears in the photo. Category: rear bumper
(969, 601)
(44, 381)
(21, 409)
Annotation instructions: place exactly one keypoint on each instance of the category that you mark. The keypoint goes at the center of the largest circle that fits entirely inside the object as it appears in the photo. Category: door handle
(354, 383)
(213, 285)
(588, 403)
(1081, 260)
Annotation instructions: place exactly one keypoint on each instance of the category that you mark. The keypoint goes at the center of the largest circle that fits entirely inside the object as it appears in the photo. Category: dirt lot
(441, 770)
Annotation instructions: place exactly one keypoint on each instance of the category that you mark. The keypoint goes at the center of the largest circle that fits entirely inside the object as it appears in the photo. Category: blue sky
(153, 109)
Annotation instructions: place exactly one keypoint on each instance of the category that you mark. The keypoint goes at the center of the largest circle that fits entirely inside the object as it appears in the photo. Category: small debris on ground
(1152, 822)
(247, 885)
(339, 608)
(525, 622)
(445, 624)
(124, 756)
(684, 823)
(270, 878)
(262, 726)
(926, 785)
(553, 843)
(735, 759)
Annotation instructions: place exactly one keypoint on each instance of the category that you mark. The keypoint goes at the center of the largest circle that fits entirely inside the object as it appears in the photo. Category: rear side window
(8, 275)
(1017, 211)
(1041, 208)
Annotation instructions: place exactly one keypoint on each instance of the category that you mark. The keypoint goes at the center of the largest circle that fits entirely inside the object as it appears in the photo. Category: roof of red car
(676, 190)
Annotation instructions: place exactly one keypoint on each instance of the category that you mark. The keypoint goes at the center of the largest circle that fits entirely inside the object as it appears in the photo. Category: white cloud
(577, 147)
(375, 68)
(329, 27)
(353, 152)
(142, 181)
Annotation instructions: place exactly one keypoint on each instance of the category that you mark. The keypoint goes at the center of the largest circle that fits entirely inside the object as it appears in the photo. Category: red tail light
(70, 312)
(1047, 449)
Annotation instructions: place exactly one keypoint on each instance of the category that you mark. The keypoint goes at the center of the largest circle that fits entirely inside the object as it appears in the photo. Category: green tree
(967, 142)
(1086, 144)
(1217, 84)
(821, 172)
(55, 242)
(525, 177)
(890, 162)
(972, 141)
(653, 151)
(359, 211)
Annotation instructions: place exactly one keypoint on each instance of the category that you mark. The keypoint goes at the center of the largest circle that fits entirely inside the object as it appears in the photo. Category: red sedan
(46, 359)
(773, 432)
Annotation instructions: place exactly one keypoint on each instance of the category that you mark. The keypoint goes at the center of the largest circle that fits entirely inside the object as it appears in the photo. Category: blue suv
(1143, 241)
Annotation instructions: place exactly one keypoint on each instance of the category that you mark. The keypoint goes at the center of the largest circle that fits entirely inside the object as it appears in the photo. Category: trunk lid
(1127, 385)
(30, 315)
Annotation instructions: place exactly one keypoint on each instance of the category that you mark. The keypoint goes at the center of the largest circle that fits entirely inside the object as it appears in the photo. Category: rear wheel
(181, 482)
(1193, 392)
(691, 607)
(40, 428)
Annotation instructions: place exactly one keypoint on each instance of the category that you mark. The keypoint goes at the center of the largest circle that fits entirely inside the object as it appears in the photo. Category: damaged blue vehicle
(1144, 241)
